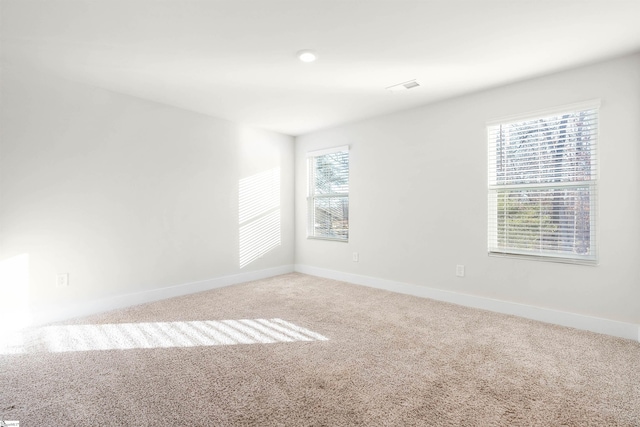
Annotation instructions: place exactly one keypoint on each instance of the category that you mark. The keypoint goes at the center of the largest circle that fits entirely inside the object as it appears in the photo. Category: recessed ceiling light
(307, 55)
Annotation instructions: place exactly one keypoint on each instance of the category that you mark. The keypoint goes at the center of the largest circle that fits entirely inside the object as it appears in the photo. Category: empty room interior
(320, 213)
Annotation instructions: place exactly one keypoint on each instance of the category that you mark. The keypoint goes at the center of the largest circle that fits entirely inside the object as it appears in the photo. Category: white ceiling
(235, 59)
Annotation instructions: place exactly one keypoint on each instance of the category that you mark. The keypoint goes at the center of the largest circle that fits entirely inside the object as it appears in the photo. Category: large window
(543, 181)
(328, 195)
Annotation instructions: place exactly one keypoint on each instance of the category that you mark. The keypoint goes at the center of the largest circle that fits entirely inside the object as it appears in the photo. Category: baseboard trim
(579, 321)
(86, 308)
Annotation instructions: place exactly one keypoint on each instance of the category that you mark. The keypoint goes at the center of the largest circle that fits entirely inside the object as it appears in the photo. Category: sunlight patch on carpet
(127, 336)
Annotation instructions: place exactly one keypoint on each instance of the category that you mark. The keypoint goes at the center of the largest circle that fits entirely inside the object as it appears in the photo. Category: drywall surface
(418, 197)
(128, 196)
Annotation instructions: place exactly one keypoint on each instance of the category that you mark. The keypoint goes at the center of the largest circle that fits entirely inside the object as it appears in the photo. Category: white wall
(132, 196)
(418, 202)
(127, 195)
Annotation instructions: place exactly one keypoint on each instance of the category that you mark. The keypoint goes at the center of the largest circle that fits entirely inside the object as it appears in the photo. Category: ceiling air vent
(400, 87)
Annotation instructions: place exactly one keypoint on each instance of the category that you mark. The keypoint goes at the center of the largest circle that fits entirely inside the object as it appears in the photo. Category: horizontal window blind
(542, 197)
(328, 197)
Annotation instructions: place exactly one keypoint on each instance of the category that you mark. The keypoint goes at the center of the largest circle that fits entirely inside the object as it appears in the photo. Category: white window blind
(328, 195)
(543, 186)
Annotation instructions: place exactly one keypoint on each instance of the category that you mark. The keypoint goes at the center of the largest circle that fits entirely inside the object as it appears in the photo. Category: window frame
(493, 190)
(312, 195)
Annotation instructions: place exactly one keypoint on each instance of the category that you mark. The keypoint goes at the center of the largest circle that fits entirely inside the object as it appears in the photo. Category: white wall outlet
(460, 270)
(62, 280)
(355, 257)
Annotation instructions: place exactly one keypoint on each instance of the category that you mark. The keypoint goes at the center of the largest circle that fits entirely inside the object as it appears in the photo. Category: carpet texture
(388, 360)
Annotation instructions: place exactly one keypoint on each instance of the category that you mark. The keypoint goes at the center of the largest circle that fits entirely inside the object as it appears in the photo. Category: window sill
(328, 238)
(542, 258)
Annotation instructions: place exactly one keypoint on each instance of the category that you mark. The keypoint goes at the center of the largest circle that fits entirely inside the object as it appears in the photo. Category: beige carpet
(335, 354)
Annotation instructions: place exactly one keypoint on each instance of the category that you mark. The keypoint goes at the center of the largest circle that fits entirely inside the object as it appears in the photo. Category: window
(543, 182)
(328, 196)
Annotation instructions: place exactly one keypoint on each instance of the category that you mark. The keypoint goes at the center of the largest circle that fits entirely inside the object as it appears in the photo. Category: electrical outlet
(62, 280)
(460, 270)
(355, 257)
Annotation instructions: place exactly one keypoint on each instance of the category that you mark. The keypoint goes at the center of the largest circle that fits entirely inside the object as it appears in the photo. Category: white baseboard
(578, 321)
(86, 308)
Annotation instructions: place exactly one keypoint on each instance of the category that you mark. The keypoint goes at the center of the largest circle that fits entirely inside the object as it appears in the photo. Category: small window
(543, 186)
(328, 195)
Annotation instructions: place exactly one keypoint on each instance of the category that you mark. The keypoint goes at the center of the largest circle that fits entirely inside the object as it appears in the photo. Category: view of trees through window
(329, 195)
(542, 186)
